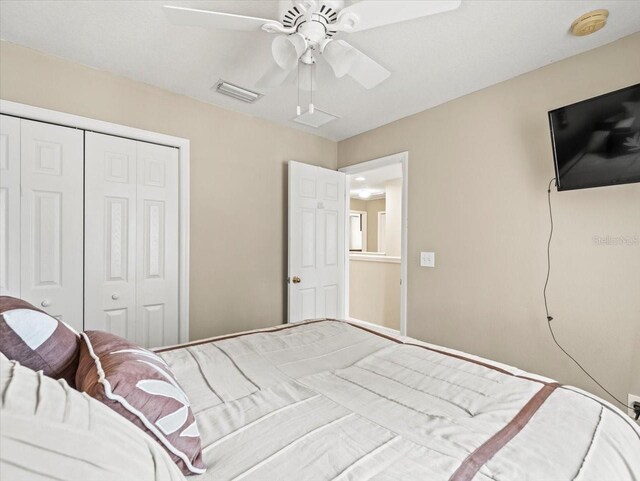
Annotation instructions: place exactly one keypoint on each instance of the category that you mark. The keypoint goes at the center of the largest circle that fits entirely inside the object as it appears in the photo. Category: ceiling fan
(306, 32)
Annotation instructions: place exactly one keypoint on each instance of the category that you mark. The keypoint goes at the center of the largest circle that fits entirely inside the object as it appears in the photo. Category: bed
(321, 400)
(328, 400)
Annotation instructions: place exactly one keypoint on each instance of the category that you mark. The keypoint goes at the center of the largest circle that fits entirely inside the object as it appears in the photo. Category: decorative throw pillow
(38, 341)
(139, 385)
(52, 432)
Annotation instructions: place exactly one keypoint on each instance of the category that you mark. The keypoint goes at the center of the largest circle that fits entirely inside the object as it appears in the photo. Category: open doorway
(375, 261)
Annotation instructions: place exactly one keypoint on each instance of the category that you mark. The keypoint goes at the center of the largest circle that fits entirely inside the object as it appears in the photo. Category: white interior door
(355, 232)
(52, 219)
(132, 210)
(110, 233)
(316, 242)
(157, 245)
(9, 206)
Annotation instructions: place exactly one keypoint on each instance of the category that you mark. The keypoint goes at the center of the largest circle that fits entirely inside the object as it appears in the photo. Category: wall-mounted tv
(596, 142)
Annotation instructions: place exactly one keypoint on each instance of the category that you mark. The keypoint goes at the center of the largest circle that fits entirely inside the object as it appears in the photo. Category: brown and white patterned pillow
(38, 341)
(51, 432)
(139, 385)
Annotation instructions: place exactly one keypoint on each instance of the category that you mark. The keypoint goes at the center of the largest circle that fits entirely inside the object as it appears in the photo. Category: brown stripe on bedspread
(379, 334)
(240, 334)
(450, 354)
(472, 464)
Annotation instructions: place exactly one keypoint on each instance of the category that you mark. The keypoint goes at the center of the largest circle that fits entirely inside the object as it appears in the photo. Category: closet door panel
(110, 234)
(157, 245)
(52, 219)
(9, 206)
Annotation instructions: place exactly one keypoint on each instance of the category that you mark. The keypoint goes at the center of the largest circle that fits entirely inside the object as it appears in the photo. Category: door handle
(115, 296)
(45, 303)
(296, 280)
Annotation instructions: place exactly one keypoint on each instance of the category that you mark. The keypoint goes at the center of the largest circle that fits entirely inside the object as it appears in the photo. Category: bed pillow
(139, 385)
(38, 341)
(50, 431)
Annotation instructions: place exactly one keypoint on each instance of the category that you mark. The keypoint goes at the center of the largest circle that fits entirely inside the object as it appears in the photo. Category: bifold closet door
(110, 234)
(9, 206)
(157, 245)
(51, 177)
(131, 219)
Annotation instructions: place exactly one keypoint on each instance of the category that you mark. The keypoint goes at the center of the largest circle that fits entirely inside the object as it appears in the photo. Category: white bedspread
(327, 400)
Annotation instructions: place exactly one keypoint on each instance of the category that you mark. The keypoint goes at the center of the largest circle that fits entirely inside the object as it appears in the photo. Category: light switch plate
(428, 259)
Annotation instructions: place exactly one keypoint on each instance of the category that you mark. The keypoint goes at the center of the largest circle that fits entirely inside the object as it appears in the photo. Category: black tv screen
(596, 142)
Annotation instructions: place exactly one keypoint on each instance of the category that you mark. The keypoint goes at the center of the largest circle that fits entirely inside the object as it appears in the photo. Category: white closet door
(9, 206)
(110, 234)
(52, 230)
(157, 245)
(131, 217)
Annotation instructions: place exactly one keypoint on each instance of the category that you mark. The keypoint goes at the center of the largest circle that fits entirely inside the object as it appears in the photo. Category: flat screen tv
(596, 142)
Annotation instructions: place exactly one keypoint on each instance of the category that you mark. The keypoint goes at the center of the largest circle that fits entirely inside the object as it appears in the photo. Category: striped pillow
(139, 385)
(38, 341)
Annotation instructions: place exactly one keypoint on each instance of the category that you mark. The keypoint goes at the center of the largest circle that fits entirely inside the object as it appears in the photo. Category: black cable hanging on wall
(546, 305)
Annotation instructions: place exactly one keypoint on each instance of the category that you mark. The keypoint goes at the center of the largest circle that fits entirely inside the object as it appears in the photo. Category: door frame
(38, 114)
(401, 158)
(380, 214)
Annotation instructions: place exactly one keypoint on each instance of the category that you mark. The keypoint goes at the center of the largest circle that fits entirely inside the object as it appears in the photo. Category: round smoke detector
(589, 23)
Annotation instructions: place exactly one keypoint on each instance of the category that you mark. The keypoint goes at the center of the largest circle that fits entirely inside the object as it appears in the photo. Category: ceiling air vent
(316, 119)
(238, 93)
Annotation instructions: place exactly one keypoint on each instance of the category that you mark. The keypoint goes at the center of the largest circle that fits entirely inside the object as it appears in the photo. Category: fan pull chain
(298, 108)
(313, 68)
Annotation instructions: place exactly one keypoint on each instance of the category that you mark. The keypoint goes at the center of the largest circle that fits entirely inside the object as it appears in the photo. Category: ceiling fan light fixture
(307, 28)
(287, 49)
(237, 92)
(340, 56)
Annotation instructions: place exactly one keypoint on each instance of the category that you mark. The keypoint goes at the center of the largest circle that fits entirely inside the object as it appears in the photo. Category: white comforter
(327, 400)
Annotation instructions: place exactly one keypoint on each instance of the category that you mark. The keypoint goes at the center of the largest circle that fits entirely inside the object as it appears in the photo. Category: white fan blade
(368, 14)
(207, 19)
(344, 58)
(273, 77)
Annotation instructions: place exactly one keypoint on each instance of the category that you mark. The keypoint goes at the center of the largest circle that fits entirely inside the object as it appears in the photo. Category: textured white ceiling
(432, 60)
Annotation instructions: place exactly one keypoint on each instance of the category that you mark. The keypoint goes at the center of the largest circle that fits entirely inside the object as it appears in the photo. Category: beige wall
(358, 204)
(238, 180)
(373, 207)
(478, 173)
(393, 221)
(374, 292)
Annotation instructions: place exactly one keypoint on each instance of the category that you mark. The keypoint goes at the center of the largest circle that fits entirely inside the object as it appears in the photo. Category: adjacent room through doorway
(374, 236)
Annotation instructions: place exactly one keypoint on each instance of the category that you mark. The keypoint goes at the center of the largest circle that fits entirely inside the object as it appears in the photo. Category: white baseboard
(375, 327)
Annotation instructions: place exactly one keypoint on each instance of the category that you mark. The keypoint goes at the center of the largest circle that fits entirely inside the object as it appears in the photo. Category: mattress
(327, 400)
